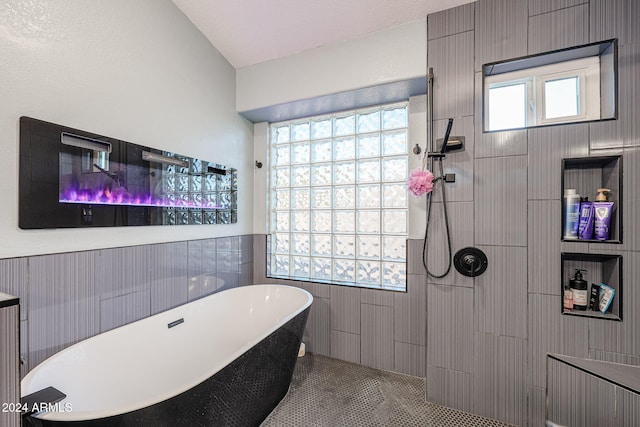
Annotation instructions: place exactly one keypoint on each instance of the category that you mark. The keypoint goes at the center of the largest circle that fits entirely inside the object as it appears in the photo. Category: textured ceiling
(248, 32)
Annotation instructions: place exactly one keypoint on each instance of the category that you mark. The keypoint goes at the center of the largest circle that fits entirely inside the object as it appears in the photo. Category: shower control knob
(470, 261)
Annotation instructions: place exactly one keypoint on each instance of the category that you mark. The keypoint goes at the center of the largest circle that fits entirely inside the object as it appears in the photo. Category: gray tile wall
(487, 337)
(605, 404)
(381, 329)
(9, 364)
(481, 343)
(68, 297)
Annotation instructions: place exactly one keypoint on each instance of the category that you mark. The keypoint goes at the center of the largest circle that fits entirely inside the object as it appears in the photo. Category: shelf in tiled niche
(586, 175)
(599, 268)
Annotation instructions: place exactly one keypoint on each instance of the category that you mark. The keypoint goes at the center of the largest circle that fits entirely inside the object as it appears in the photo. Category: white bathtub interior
(135, 366)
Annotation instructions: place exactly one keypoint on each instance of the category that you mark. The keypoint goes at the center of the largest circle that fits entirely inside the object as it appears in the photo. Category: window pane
(344, 125)
(394, 118)
(507, 107)
(300, 131)
(369, 121)
(321, 268)
(321, 245)
(561, 98)
(337, 181)
(321, 128)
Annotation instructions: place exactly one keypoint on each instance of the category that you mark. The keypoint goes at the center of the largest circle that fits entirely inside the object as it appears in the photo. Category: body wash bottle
(585, 229)
(602, 210)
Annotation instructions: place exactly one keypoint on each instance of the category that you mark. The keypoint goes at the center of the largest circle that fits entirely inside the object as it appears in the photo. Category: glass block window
(338, 205)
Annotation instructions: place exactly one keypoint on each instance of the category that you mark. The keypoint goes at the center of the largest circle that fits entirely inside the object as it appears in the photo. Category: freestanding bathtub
(223, 360)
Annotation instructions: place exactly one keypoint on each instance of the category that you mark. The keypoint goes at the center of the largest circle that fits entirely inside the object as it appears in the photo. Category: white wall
(133, 70)
(387, 56)
(375, 59)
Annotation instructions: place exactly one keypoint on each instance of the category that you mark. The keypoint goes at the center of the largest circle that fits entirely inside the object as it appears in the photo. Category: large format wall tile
(14, 280)
(560, 29)
(345, 346)
(64, 302)
(345, 309)
(499, 382)
(9, 364)
(70, 297)
(536, 7)
(547, 147)
(203, 275)
(615, 18)
(452, 61)
(501, 292)
(593, 409)
(377, 297)
(608, 356)
(409, 359)
(460, 216)
(449, 388)
(414, 256)
(168, 268)
(123, 309)
(500, 30)
(500, 201)
(122, 271)
(543, 253)
(317, 335)
(259, 257)
(629, 90)
(551, 332)
(410, 312)
(459, 163)
(627, 408)
(450, 327)
(377, 344)
(625, 131)
(451, 21)
(621, 337)
(537, 406)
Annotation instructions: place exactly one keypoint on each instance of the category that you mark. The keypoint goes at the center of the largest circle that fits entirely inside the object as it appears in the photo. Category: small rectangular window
(557, 93)
(561, 98)
(508, 106)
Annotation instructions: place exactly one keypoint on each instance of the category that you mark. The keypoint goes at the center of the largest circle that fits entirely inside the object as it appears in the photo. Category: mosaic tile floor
(334, 393)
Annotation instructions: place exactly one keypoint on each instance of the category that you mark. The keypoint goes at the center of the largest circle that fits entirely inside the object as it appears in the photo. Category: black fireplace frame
(39, 184)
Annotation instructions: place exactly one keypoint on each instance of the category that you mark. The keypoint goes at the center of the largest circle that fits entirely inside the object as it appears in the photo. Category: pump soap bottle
(579, 290)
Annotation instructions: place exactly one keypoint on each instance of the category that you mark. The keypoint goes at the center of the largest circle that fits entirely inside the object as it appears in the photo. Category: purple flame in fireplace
(120, 196)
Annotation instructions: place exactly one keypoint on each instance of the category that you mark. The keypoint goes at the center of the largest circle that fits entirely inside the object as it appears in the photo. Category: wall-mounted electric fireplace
(73, 178)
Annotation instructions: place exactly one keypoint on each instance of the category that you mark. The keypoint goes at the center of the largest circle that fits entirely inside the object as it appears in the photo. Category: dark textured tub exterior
(243, 393)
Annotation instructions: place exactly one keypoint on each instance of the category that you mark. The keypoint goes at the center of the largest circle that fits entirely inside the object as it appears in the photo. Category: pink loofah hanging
(420, 182)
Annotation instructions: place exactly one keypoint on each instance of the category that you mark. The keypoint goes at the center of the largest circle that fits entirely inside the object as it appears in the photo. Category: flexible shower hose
(446, 223)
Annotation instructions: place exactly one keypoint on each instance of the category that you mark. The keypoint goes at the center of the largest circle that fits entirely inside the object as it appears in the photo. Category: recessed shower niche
(72, 178)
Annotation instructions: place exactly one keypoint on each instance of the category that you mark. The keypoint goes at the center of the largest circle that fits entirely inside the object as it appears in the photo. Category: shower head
(446, 136)
(455, 143)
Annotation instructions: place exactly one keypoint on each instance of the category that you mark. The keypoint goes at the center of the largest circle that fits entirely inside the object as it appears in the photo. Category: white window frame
(587, 70)
(396, 265)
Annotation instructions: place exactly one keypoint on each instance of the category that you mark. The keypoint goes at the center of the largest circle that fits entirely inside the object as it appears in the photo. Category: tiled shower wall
(487, 337)
(67, 297)
(381, 329)
(481, 343)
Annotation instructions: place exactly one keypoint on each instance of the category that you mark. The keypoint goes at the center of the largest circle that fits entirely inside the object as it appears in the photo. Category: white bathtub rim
(77, 415)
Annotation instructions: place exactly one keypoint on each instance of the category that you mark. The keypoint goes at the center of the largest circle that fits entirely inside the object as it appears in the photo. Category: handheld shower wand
(446, 137)
(439, 156)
